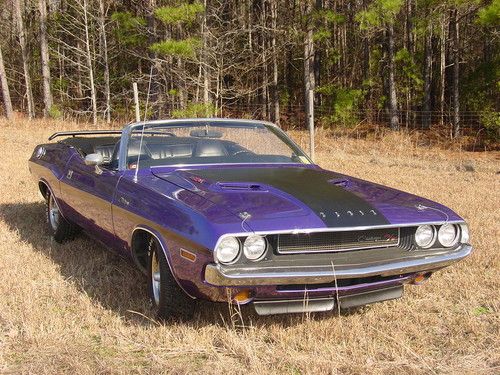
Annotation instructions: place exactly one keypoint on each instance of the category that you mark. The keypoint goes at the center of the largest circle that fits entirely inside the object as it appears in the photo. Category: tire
(169, 301)
(59, 228)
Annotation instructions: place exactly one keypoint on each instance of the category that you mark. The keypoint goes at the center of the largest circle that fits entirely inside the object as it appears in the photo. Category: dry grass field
(76, 308)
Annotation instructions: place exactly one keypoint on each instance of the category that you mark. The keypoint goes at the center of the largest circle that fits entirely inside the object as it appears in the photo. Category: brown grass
(77, 308)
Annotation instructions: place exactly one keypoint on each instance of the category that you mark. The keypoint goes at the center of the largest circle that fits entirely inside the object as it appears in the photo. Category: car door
(89, 191)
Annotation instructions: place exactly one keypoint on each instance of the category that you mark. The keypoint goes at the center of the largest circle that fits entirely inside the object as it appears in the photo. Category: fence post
(136, 101)
(310, 121)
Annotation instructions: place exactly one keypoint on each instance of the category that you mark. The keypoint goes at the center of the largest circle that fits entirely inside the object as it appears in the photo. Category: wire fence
(295, 117)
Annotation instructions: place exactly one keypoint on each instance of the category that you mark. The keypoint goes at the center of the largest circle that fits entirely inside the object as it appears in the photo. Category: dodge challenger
(234, 211)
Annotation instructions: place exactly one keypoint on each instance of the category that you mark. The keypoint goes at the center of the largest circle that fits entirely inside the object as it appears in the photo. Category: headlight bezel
(464, 233)
(217, 250)
(456, 238)
(433, 239)
(263, 252)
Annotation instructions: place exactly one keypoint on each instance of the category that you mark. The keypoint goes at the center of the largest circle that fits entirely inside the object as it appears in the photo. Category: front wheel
(59, 228)
(168, 299)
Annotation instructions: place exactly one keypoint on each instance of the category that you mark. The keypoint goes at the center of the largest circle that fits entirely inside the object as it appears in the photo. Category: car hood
(295, 197)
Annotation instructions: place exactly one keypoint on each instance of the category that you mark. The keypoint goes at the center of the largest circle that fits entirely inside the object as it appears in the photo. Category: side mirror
(94, 159)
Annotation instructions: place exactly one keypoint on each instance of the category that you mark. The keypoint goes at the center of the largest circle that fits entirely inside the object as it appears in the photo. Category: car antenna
(143, 125)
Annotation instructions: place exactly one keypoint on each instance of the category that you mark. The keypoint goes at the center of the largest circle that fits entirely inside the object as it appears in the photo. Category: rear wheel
(60, 229)
(168, 299)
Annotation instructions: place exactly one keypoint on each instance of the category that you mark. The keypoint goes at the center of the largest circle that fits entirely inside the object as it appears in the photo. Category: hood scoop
(341, 182)
(237, 186)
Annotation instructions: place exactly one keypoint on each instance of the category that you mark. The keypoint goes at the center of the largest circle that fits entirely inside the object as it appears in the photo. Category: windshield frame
(196, 122)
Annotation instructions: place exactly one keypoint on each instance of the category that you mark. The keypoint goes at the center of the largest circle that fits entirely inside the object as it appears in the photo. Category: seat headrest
(207, 148)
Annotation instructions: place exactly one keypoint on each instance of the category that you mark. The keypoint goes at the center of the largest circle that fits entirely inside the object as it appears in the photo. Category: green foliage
(60, 84)
(491, 122)
(481, 310)
(329, 16)
(344, 102)
(55, 112)
(179, 48)
(378, 13)
(410, 70)
(322, 35)
(184, 13)
(195, 110)
(173, 92)
(128, 28)
(490, 14)
(479, 90)
(284, 98)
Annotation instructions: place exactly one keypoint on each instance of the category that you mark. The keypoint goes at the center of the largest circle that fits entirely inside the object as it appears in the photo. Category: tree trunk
(93, 95)
(25, 56)
(409, 27)
(104, 41)
(426, 106)
(152, 38)
(204, 63)
(393, 100)
(442, 71)
(265, 72)
(274, 90)
(309, 82)
(456, 71)
(79, 70)
(317, 57)
(410, 43)
(44, 51)
(5, 89)
(367, 78)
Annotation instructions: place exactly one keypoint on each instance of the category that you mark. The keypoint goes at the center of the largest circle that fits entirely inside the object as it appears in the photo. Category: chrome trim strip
(294, 306)
(339, 250)
(84, 132)
(217, 275)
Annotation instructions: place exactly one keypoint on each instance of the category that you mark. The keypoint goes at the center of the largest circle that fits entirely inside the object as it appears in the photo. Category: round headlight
(425, 236)
(254, 247)
(448, 235)
(227, 250)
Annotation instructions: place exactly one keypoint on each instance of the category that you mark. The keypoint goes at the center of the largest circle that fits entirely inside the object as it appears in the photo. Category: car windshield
(211, 142)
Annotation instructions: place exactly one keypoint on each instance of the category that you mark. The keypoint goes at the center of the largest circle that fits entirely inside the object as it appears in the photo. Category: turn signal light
(243, 297)
(421, 278)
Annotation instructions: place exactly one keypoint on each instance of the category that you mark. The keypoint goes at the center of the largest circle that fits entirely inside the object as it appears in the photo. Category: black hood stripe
(333, 204)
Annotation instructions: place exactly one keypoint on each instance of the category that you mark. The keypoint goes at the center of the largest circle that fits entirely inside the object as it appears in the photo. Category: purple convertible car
(233, 210)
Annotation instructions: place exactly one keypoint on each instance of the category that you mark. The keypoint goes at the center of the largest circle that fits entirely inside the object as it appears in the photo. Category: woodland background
(424, 64)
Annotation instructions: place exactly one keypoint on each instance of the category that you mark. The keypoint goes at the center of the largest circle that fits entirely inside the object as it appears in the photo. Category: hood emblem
(350, 213)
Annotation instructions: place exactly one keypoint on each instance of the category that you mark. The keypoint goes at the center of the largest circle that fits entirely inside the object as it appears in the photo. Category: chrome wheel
(54, 215)
(155, 277)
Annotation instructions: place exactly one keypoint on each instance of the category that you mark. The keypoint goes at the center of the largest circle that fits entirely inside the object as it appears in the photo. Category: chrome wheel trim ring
(155, 277)
(54, 214)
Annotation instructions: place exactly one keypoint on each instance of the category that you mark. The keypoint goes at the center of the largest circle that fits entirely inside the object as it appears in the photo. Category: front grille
(337, 241)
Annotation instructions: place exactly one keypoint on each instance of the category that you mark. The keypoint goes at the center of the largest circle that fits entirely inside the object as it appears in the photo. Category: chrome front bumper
(218, 275)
